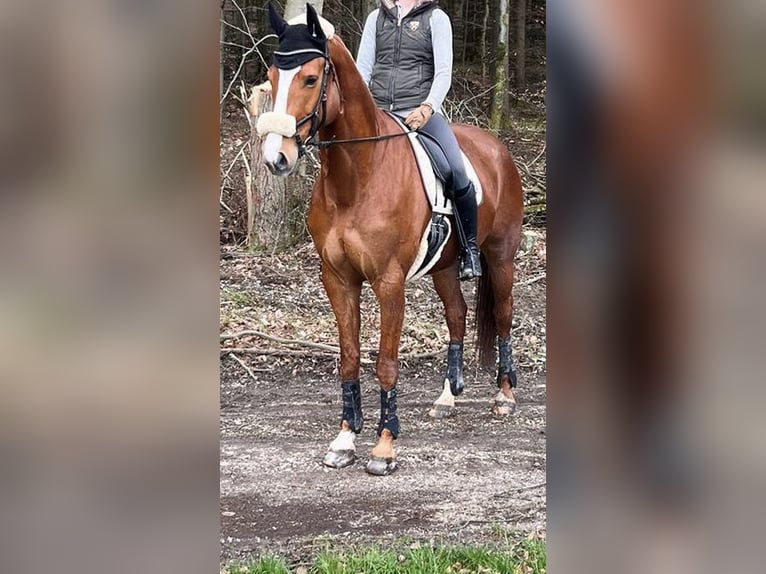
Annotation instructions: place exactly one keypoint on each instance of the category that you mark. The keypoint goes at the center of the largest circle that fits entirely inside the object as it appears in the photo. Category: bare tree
(500, 95)
(521, 44)
(485, 25)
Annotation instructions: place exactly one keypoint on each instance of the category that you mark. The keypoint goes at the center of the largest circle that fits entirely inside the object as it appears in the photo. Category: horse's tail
(485, 318)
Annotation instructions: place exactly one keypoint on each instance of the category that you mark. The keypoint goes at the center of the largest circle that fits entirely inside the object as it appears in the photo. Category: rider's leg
(463, 194)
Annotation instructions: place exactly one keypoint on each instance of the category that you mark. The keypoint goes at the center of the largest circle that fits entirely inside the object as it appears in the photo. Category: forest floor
(469, 479)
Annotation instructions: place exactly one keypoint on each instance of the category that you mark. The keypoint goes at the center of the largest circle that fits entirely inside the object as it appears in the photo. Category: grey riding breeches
(438, 128)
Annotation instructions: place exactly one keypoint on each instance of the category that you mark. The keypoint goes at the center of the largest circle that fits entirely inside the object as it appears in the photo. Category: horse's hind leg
(344, 298)
(447, 286)
(501, 273)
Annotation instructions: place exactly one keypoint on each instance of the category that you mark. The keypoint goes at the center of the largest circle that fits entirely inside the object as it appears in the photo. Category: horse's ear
(278, 23)
(312, 21)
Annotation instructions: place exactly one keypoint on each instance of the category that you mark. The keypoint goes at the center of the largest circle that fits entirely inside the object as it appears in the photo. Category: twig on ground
(243, 365)
(531, 486)
(223, 203)
(532, 280)
(542, 151)
(534, 177)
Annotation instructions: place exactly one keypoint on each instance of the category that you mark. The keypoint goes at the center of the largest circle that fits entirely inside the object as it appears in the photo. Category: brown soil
(467, 479)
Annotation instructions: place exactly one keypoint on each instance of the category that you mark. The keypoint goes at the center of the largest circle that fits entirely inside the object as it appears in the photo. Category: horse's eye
(311, 81)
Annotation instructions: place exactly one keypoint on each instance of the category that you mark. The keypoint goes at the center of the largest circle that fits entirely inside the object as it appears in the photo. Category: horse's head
(299, 78)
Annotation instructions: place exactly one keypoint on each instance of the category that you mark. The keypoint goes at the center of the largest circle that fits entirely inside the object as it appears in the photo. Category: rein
(333, 141)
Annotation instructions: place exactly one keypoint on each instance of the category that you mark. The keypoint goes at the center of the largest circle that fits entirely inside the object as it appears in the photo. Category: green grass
(266, 565)
(238, 299)
(523, 557)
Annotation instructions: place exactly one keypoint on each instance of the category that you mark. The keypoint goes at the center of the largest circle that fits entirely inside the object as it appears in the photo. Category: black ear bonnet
(298, 43)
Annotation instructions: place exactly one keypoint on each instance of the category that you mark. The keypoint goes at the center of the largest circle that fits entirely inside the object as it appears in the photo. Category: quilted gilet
(404, 60)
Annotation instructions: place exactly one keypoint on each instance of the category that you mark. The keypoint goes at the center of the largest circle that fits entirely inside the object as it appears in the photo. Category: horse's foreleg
(344, 298)
(390, 293)
(447, 286)
(502, 287)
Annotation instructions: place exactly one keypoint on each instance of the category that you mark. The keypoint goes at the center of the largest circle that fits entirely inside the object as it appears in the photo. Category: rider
(405, 57)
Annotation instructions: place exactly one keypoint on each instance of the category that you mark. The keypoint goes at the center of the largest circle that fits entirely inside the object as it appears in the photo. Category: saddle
(436, 175)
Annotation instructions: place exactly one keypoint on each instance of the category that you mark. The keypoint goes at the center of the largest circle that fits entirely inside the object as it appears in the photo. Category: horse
(367, 214)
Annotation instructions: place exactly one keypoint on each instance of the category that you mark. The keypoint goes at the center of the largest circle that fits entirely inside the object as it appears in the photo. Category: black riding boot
(465, 205)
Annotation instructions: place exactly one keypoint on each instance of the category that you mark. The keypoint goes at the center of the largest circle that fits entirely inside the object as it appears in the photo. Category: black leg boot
(465, 205)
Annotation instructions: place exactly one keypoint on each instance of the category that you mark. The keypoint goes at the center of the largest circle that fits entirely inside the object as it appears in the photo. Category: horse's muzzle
(280, 166)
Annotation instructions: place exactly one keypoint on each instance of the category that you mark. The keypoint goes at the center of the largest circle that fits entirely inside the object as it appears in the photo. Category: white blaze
(273, 142)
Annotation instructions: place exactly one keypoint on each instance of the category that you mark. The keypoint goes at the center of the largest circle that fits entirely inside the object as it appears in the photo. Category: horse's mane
(354, 92)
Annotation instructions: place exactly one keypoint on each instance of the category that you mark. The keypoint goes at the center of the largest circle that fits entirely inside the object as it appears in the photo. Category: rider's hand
(419, 117)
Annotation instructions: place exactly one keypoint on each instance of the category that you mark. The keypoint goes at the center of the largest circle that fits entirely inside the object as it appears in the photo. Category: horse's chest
(348, 249)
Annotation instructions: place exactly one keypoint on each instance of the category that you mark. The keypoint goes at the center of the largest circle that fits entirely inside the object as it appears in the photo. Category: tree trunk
(276, 206)
(500, 94)
(295, 7)
(461, 10)
(221, 51)
(484, 54)
(521, 45)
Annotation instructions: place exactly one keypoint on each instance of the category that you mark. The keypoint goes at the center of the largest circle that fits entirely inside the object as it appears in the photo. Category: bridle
(313, 117)
(316, 123)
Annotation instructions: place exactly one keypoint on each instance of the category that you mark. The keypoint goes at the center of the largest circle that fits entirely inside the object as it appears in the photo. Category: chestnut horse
(367, 215)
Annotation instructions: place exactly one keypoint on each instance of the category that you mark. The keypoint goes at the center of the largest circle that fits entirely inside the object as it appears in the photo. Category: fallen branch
(326, 351)
(284, 353)
(268, 351)
(273, 339)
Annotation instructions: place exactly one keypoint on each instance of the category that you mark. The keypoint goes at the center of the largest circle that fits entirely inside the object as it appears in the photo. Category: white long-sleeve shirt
(441, 42)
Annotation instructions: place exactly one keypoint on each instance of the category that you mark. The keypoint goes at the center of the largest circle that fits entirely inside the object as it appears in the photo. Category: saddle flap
(438, 158)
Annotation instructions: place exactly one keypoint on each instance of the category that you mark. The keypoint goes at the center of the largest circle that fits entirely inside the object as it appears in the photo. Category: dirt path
(467, 479)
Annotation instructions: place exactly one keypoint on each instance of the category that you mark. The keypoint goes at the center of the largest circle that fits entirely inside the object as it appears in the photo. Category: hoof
(441, 411)
(503, 408)
(381, 466)
(339, 458)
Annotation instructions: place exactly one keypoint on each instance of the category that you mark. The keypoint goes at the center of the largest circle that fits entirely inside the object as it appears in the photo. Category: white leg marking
(273, 142)
(446, 398)
(344, 441)
(503, 405)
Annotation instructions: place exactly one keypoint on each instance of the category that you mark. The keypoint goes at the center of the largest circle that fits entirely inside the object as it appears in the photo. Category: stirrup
(470, 264)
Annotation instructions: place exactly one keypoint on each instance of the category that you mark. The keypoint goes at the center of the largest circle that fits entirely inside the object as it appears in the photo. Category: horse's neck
(359, 113)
